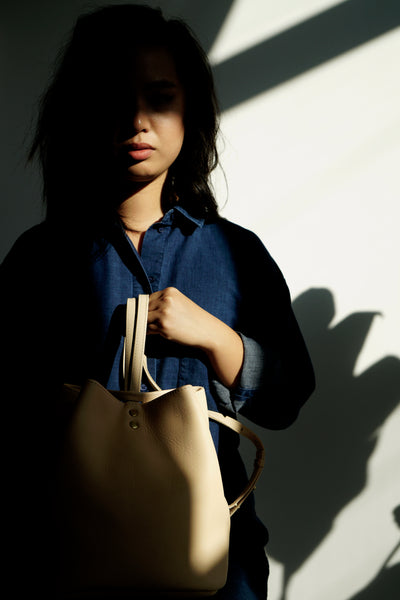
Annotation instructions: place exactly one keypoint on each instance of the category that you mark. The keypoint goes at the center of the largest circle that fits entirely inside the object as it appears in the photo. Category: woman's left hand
(177, 318)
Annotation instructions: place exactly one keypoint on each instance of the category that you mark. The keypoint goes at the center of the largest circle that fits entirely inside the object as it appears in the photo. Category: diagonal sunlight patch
(302, 47)
(250, 22)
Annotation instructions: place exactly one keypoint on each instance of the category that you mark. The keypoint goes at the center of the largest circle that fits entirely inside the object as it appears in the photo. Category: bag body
(140, 501)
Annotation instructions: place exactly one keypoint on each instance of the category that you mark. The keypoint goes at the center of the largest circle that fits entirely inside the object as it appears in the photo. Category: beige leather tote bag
(140, 499)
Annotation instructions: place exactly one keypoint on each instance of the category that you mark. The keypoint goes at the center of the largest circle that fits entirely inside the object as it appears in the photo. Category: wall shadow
(206, 17)
(386, 583)
(318, 465)
(302, 47)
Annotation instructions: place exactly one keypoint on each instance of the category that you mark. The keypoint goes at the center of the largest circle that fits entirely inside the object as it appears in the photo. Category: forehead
(154, 64)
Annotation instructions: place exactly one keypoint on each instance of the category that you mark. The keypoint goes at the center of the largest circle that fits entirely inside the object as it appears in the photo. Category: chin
(143, 175)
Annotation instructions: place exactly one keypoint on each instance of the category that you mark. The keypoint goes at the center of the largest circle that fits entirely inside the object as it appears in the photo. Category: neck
(142, 207)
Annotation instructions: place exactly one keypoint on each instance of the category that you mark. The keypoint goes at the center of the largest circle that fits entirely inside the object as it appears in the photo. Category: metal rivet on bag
(134, 425)
(133, 412)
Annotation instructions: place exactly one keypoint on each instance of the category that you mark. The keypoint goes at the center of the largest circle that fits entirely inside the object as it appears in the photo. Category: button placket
(152, 254)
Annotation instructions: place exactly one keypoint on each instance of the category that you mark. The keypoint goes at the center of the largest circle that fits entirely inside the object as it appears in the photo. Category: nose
(141, 118)
(132, 119)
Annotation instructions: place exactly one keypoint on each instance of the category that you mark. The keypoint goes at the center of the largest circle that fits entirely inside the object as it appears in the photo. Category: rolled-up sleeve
(251, 376)
(273, 385)
(277, 375)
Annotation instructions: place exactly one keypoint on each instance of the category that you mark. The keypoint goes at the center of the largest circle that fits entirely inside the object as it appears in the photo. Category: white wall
(313, 167)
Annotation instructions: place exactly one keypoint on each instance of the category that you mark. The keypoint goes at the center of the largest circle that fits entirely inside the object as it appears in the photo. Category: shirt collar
(172, 214)
(169, 218)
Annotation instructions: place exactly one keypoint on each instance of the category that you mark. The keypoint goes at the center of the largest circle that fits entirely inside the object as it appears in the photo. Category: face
(150, 134)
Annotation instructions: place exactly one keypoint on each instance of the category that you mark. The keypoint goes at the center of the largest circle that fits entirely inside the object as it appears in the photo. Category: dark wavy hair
(80, 109)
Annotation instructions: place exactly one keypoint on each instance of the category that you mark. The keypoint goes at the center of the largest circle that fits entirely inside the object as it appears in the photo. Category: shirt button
(143, 387)
(151, 279)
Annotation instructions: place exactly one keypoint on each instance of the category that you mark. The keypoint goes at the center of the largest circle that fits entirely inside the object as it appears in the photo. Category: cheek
(171, 123)
(179, 135)
(172, 131)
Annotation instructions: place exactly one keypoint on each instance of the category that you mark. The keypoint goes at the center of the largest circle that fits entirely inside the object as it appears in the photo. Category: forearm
(225, 352)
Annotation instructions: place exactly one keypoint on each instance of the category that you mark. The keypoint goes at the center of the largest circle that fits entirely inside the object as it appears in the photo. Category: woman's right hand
(177, 318)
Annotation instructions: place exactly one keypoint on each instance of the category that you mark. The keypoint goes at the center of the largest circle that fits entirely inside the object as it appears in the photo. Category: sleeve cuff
(251, 377)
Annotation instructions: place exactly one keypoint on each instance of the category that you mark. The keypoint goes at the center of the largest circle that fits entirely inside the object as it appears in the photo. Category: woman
(127, 140)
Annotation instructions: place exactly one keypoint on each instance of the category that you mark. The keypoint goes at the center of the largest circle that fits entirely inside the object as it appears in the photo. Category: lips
(140, 151)
(140, 146)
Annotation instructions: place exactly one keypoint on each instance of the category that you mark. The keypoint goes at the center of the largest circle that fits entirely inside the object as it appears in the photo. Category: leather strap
(134, 358)
(135, 363)
(259, 460)
(128, 345)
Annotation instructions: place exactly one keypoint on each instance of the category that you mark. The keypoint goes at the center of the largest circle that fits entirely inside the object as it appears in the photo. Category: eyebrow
(161, 84)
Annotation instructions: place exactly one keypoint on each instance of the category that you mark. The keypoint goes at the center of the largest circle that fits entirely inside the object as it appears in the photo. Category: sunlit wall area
(310, 155)
(312, 165)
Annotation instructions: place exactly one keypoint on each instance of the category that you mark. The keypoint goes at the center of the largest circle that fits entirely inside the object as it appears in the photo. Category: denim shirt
(220, 266)
(70, 313)
(224, 269)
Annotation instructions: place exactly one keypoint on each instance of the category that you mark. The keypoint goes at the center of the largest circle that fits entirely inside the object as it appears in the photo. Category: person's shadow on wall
(386, 584)
(319, 464)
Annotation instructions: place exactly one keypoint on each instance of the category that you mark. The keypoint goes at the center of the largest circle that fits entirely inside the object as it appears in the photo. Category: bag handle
(259, 460)
(135, 362)
(134, 358)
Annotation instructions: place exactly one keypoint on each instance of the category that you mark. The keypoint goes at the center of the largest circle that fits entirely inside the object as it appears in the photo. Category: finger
(153, 329)
(154, 299)
(162, 309)
(155, 315)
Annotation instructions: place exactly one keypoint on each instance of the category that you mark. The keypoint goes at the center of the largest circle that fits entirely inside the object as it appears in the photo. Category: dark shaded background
(319, 465)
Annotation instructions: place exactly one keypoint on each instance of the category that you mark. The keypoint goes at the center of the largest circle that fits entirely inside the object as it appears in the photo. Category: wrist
(225, 351)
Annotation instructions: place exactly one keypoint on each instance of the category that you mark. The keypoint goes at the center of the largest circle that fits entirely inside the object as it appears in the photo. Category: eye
(160, 99)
